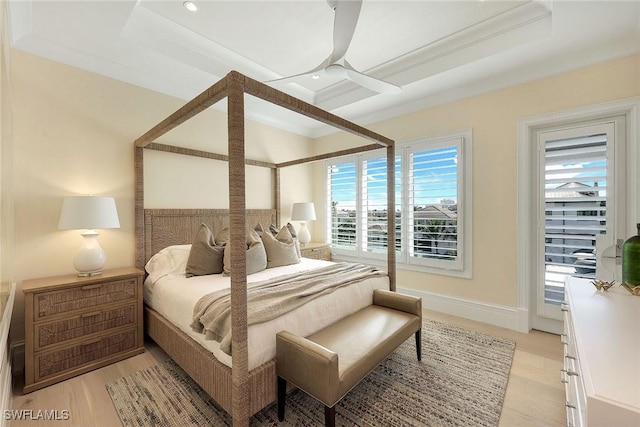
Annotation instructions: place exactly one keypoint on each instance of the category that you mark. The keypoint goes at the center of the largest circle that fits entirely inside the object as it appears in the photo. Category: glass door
(576, 202)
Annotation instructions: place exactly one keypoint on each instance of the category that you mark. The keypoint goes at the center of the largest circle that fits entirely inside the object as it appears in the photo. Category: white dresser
(602, 355)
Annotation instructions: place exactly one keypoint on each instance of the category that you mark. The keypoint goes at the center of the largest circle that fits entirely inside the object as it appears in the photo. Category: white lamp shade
(88, 212)
(303, 212)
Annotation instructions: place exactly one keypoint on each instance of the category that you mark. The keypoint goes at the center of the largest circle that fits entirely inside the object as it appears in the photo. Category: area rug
(461, 381)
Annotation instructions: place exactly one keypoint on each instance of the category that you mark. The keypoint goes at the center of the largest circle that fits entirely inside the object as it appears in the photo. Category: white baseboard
(493, 314)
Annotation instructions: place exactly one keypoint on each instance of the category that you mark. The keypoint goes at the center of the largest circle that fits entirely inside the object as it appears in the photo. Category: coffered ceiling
(436, 51)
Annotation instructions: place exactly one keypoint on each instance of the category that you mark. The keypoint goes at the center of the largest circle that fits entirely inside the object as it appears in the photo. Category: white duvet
(173, 296)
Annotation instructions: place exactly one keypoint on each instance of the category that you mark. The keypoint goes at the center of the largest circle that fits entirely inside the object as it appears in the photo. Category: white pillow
(170, 260)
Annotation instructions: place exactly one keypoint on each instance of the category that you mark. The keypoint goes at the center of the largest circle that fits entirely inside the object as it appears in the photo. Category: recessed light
(315, 77)
(190, 6)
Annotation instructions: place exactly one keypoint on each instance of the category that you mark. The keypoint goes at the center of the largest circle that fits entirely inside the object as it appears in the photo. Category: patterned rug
(461, 381)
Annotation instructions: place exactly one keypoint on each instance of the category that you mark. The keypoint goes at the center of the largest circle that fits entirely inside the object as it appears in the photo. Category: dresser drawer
(57, 362)
(84, 324)
(83, 297)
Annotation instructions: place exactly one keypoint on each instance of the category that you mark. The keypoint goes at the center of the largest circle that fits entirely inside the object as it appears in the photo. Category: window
(342, 187)
(432, 220)
(357, 191)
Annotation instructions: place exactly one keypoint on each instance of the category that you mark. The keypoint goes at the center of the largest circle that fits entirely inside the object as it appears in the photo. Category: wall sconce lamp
(88, 213)
(303, 212)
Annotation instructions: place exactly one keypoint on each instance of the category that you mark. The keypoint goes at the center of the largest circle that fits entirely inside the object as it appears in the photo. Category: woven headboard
(166, 227)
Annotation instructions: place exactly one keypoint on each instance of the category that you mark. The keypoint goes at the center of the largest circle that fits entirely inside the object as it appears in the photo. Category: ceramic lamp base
(304, 235)
(90, 258)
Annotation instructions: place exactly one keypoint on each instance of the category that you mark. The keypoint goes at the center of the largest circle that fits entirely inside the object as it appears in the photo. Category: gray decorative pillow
(284, 235)
(204, 257)
(292, 230)
(223, 237)
(258, 228)
(270, 229)
(281, 248)
(256, 255)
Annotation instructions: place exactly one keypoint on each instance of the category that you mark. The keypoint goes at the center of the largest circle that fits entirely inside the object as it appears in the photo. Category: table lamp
(303, 212)
(88, 213)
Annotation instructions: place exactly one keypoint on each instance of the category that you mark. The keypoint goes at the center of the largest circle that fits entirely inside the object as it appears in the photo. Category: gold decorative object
(635, 290)
(603, 285)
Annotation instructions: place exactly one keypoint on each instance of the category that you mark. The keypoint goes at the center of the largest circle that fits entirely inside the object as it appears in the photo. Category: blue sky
(436, 179)
(587, 173)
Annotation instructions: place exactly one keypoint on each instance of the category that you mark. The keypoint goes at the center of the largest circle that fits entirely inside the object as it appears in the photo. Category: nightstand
(316, 251)
(76, 324)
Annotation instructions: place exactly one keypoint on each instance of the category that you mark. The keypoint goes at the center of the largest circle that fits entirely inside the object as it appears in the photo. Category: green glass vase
(631, 260)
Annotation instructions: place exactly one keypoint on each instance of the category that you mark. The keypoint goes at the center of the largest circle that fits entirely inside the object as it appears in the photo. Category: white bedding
(174, 296)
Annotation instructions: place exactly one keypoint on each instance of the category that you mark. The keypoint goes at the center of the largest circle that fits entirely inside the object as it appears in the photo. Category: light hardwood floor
(535, 396)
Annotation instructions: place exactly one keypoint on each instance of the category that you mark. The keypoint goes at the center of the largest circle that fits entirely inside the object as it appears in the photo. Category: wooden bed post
(275, 176)
(138, 173)
(239, 359)
(391, 216)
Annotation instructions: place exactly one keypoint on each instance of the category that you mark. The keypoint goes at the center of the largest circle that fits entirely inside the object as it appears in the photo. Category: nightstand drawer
(83, 297)
(59, 361)
(84, 324)
(319, 252)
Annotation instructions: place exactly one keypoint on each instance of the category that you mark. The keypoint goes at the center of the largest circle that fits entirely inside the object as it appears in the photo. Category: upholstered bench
(329, 363)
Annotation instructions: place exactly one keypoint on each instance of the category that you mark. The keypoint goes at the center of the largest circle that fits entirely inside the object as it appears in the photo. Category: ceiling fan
(344, 26)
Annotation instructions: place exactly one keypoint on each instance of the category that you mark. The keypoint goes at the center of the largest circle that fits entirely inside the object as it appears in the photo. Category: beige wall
(74, 133)
(493, 118)
(6, 190)
(265, 143)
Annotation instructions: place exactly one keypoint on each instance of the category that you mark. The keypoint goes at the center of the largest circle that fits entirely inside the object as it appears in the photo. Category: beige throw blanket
(271, 298)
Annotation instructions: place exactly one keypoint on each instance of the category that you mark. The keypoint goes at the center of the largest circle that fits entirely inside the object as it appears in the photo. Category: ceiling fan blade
(369, 82)
(296, 77)
(344, 26)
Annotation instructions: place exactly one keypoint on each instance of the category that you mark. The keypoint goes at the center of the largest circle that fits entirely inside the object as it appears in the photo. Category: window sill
(463, 274)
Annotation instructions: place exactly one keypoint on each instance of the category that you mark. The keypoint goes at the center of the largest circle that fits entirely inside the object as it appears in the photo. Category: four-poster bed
(240, 391)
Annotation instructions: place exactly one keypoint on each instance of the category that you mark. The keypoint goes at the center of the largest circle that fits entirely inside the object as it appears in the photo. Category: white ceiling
(437, 51)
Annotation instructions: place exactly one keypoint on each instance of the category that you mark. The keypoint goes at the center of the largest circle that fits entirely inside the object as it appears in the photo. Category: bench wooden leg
(419, 344)
(282, 396)
(330, 416)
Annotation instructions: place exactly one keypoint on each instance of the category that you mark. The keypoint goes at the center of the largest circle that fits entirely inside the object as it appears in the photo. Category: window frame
(462, 267)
